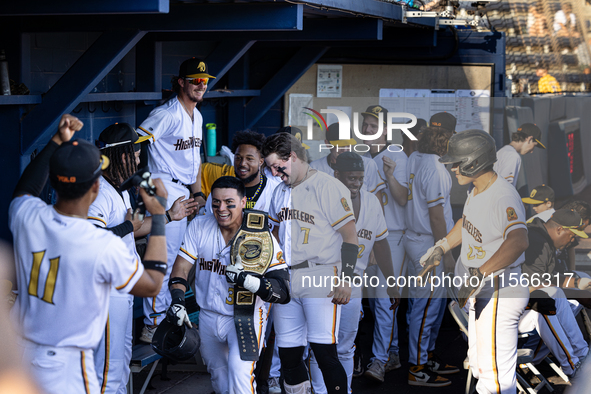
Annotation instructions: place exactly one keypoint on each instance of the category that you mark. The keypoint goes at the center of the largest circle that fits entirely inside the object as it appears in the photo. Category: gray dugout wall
(362, 84)
(568, 172)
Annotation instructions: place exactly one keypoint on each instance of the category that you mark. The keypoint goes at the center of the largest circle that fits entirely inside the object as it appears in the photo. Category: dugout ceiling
(111, 60)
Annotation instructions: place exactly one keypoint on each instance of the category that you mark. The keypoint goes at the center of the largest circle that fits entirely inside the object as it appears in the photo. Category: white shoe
(274, 387)
(302, 388)
(393, 362)
(375, 371)
(148, 334)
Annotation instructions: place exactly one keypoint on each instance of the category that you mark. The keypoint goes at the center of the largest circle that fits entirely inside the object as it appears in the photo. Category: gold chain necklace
(188, 113)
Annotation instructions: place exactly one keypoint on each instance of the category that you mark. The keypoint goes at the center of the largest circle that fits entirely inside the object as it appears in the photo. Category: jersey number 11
(49, 281)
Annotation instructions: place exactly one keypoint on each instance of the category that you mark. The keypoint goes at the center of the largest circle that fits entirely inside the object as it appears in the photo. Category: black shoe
(358, 368)
(439, 367)
(419, 375)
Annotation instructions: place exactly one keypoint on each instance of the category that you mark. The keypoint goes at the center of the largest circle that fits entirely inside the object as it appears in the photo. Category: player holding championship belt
(239, 267)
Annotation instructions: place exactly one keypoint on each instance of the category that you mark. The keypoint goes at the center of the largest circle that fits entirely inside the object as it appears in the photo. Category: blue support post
(75, 84)
(281, 82)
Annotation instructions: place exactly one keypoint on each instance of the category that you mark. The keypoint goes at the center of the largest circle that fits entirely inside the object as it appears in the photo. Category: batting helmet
(474, 150)
(176, 343)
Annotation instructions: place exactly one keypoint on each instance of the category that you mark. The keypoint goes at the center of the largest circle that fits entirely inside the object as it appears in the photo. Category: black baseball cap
(375, 111)
(444, 120)
(77, 161)
(531, 129)
(571, 220)
(120, 133)
(539, 195)
(332, 136)
(349, 161)
(194, 68)
(295, 132)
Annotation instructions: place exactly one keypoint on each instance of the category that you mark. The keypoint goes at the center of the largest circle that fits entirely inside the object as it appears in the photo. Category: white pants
(349, 325)
(560, 333)
(385, 331)
(113, 355)
(221, 352)
(427, 306)
(61, 370)
(310, 316)
(493, 321)
(155, 307)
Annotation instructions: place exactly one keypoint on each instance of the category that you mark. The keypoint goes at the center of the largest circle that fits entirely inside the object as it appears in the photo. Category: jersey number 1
(49, 281)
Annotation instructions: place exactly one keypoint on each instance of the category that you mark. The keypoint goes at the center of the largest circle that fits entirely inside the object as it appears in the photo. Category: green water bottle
(211, 142)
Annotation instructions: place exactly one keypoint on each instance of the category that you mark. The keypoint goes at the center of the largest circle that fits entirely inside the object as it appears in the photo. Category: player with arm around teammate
(493, 236)
(208, 244)
(429, 219)
(371, 232)
(66, 266)
(314, 223)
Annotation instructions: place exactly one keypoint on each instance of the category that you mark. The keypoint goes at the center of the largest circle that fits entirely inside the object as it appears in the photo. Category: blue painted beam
(317, 29)
(375, 8)
(93, 7)
(181, 18)
(224, 56)
(232, 93)
(20, 99)
(121, 96)
(280, 83)
(75, 84)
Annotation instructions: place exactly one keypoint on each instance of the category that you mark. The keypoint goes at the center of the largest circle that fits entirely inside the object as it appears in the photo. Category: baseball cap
(375, 110)
(533, 130)
(332, 136)
(443, 119)
(571, 220)
(349, 161)
(77, 161)
(539, 195)
(119, 133)
(194, 68)
(295, 132)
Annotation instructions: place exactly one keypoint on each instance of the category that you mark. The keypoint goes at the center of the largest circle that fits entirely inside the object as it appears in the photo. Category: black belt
(303, 264)
(179, 182)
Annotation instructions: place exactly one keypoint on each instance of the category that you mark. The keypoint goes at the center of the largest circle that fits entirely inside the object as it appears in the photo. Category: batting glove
(470, 286)
(177, 313)
(235, 273)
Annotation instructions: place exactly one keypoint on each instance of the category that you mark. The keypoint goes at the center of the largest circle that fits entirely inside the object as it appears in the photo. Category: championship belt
(254, 245)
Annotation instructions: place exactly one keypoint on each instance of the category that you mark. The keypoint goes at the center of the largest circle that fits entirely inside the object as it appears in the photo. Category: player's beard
(249, 178)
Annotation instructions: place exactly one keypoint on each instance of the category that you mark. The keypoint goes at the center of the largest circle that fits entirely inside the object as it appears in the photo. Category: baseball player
(112, 210)
(371, 232)
(248, 162)
(541, 199)
(523, 141)
(493, 236)
(175, 131)
(560, 332)
(207, 243)
(372, 182)
(409, 146)
(315, 225)
(392, 168)
(66, 266)
(429, 218)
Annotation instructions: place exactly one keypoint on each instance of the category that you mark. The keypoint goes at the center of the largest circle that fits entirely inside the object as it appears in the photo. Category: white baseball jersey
(508, 163)
(429, 185)
(204, 244)
(319, 207)
(109, 210)
(371, 227)
(175, 141)
(394, 213)
(262, 203)
(488, 218)
(371, 182)
(65, 268)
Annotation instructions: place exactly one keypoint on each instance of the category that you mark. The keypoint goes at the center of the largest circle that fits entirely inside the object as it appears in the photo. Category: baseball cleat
(358, 368)
(375, 371)
(439, 367)
(418, 375)
(148, 333)
(393, 362)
